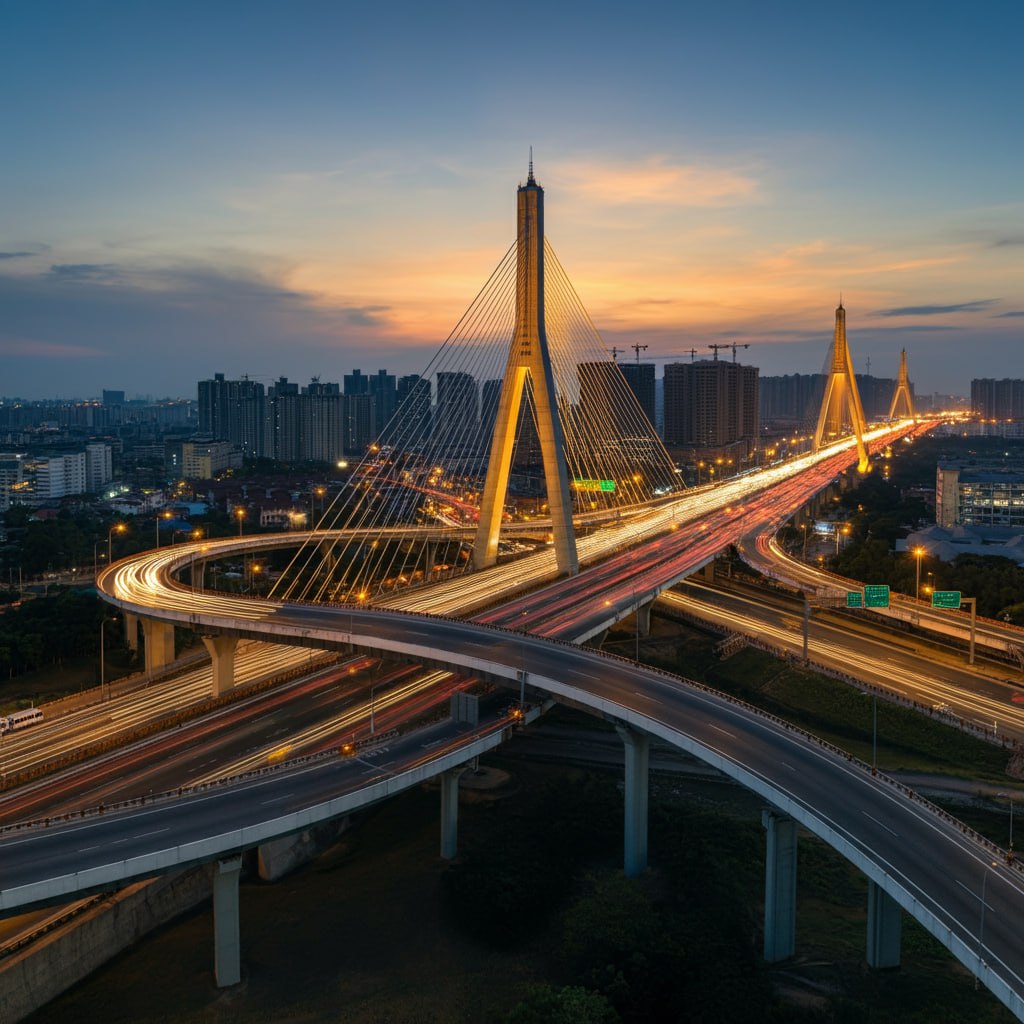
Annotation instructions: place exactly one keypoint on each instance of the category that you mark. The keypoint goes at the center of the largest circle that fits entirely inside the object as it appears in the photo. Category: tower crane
(718, 348)
(636, 349)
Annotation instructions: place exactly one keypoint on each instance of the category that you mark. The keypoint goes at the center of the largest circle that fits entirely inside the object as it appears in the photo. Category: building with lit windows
(974, 496)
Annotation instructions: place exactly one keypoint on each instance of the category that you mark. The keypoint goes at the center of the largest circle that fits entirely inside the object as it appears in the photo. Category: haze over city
(272, 188)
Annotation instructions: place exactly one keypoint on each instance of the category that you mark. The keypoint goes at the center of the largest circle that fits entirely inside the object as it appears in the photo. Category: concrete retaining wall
(31, 978)
(48, 966)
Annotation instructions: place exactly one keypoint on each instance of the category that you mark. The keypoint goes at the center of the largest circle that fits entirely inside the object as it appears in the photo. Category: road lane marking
(718, 728)
(647, 696)
(880, 824)
(786, 764)
(276, 799)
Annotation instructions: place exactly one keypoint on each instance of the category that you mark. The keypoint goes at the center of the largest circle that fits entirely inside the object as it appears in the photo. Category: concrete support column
(429, 559)
(885, 923)
(222, 653)
(450, 811)
(159, 639)
(779, 887)
(709, 572)
(638, 748)
(643, 619)
(227, 956)
(131, 631)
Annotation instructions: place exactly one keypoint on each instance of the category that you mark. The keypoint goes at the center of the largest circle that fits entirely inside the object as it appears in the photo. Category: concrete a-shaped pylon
(528, 354)
(902, 392)
(841, 403)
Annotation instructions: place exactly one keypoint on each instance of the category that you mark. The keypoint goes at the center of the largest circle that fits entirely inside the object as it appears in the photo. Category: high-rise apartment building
(385, 395)
(60, 476)
(456, 418)
(234, 410)
(710, 404)
(998, 399)
(412, 424)
(640, 378)
(99, 466)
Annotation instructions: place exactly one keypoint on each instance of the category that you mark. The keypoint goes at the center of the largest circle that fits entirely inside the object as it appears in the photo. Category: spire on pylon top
(530, 180)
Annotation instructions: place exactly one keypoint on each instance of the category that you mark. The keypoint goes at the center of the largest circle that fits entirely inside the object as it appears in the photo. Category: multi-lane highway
(910, 667)
(925, 861)
(762, 551)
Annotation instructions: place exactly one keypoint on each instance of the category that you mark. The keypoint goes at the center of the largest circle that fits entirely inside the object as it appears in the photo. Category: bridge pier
(643, 619)
(708, 572)
(637, 748)
(884, 927)
(450, 811)
(131, 632)
(222, 654)
(227, 954)
(159, 640)
(779, 886)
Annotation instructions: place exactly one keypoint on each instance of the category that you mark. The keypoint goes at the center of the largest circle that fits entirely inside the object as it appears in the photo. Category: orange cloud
(48, 349)
(659, 182)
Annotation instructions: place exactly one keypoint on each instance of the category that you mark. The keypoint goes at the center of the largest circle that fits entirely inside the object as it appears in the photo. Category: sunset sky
(304, 188)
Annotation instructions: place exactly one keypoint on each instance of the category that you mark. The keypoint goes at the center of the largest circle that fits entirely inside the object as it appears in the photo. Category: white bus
(20, 720)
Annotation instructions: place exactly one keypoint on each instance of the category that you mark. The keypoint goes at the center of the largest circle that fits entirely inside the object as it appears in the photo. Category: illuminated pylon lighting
(841, 403)
(528, 354)
(902, 392)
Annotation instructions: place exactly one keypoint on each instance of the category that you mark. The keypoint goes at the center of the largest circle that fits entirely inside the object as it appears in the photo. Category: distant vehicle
(20, 720)
(1017, 696)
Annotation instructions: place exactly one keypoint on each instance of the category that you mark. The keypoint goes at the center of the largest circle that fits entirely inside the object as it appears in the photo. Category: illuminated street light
(918, 552)
(116, 528)
(240, 516)
(165, 516)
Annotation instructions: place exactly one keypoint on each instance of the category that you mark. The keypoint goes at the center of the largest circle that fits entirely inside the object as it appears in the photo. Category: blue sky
(304, 188)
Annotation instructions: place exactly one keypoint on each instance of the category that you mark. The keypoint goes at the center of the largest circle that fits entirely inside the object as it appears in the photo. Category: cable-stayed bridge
(611, 550)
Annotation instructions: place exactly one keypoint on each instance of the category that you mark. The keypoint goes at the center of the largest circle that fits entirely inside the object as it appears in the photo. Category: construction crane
(717, 348)
(636, 349)
(692, 352)
(616, 352)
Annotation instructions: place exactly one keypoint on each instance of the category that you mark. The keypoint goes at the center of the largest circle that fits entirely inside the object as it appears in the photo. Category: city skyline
(239, 190)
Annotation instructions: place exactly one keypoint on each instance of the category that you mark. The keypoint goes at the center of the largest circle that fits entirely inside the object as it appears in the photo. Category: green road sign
(876, 596)
(854, 599)
(594, 485)
(946, 599)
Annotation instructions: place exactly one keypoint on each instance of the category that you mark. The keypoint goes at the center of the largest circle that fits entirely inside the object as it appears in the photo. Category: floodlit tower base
(528, 355)
(841, 403)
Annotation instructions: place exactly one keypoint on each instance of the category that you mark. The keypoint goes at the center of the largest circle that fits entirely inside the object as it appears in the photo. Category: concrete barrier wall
(49, 966)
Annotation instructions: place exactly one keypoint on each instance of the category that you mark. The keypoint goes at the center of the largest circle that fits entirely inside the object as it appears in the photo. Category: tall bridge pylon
(841, 402)
(902, 392)
(528, 355)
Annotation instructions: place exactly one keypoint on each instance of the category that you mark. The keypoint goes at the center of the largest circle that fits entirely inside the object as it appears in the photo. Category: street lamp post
(103, 664)
(119, 528)
(874, 731)
(240, 516)
(316, 492)
(159, 516)
(1009, 796)
(636, 618)
(918, 552)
